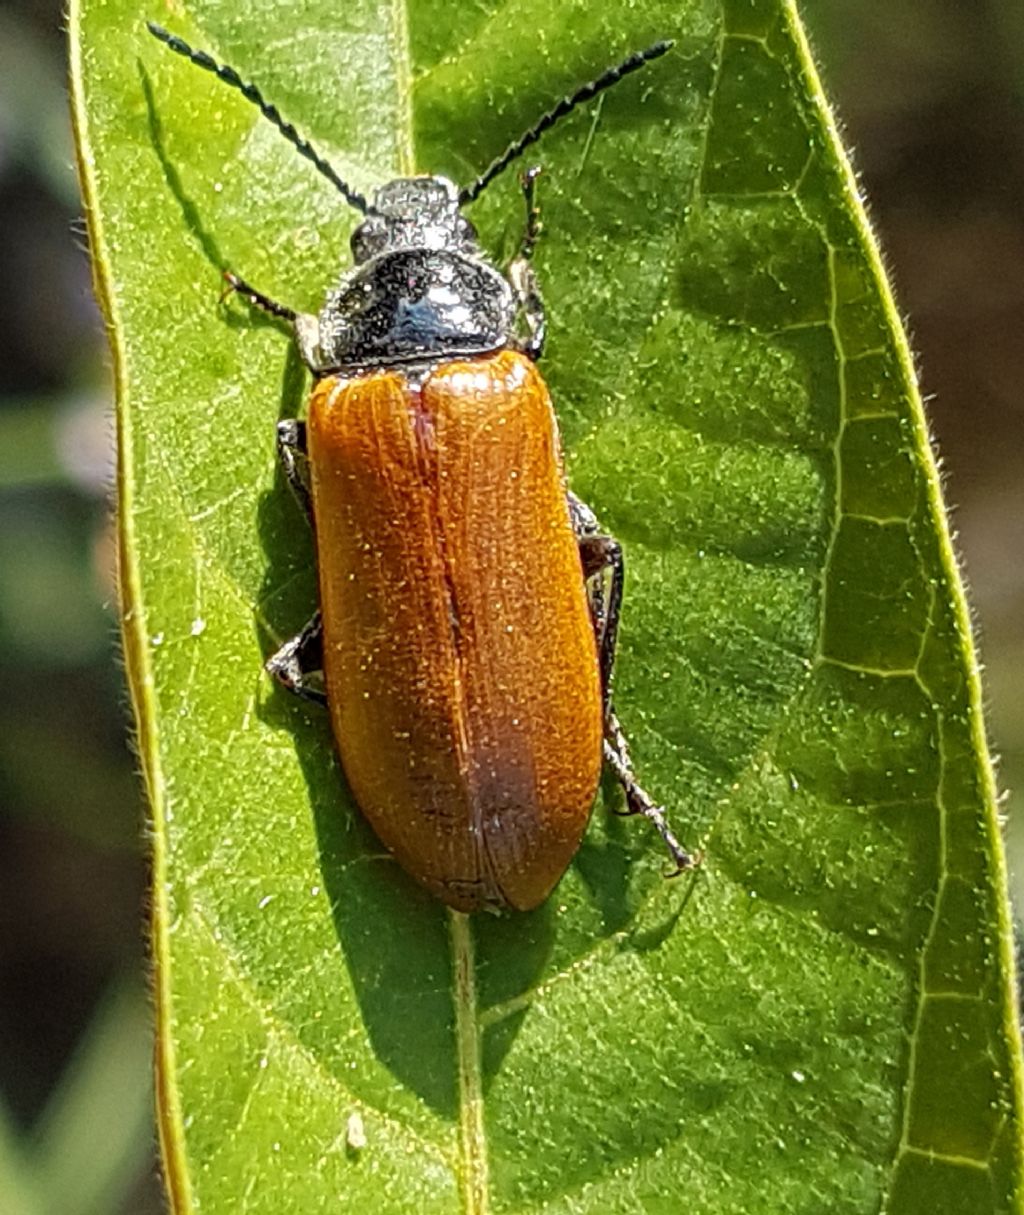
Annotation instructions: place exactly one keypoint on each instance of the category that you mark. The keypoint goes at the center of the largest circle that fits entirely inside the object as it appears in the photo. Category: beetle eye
(366, 239)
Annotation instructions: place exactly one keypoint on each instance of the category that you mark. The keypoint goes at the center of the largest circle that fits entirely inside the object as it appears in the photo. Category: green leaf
(823, 1019)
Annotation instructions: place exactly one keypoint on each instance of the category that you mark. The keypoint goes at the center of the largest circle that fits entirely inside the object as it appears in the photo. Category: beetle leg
(524, 283)
(307, 336)
(257, 298)
(598, 554)
(522, 277)
(291, 451)
(533, 225)
(307, 326)
(638, 801)
(298, 664)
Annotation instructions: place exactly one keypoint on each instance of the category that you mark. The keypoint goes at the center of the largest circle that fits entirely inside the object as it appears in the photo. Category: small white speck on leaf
(355, 1132)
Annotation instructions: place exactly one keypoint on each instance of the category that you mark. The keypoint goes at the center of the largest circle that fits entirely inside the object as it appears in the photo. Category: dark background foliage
(932, 97)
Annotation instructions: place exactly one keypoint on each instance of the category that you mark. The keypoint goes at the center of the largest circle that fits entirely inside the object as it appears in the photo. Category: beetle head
(413, 213)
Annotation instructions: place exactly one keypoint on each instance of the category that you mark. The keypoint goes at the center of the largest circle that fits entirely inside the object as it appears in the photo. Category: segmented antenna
(251, 93)
(604, 81)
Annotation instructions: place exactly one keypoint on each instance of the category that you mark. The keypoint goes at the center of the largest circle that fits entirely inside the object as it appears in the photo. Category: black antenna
(251, 93)
(604, 81)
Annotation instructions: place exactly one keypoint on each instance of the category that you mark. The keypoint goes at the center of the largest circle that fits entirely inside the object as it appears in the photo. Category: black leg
(257, 298)
(521, 274)
(298, 664)
(292, 452)
(307, 326)
(599, 554)
(638, 801)
(532, 231)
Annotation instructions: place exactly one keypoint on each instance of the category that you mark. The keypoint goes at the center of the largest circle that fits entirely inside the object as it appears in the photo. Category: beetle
(469, 603)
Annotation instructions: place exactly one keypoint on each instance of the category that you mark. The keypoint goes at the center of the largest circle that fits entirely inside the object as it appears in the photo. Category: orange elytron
(460, 662)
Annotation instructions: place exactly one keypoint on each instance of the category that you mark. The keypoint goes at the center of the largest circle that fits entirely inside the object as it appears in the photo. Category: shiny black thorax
(421, 288)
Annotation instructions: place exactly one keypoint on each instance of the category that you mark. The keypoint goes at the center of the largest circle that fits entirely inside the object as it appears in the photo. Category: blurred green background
(932, 98)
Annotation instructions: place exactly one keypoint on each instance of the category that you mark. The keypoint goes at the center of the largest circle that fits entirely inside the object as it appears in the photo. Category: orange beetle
(468, 603)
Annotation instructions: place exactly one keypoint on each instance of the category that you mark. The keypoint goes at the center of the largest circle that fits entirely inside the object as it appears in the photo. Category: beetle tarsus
(638, 801)
(298, 664)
